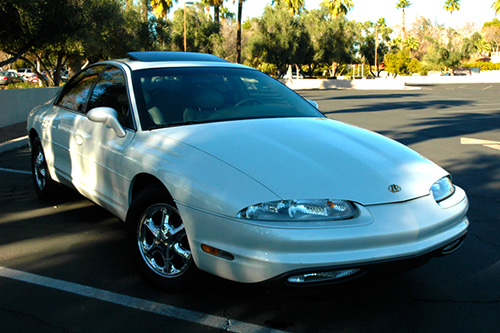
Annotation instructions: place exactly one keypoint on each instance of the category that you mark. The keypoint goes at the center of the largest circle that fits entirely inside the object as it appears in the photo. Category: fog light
(322, 276)
(217, 252)
(453, 246)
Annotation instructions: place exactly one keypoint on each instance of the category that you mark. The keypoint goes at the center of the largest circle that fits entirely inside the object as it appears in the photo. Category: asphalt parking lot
(64, 268)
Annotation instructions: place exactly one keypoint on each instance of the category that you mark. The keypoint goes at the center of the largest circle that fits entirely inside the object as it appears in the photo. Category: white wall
(15, 104)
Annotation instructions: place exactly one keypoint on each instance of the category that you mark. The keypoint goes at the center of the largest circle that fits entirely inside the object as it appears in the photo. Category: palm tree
(482, 45)
(238, 32)
(496, 6)
(295, 6)
(403, 4)
(412, 43)
(452, 5)
(395, 44)
(144, 10)
(338, 7)
(216, 4)
(380, 24)
(161, 7)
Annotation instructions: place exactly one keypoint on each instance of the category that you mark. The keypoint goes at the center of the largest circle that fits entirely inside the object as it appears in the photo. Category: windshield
(180, 96)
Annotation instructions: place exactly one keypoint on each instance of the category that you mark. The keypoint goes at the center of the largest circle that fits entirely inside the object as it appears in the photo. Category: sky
(475, 11)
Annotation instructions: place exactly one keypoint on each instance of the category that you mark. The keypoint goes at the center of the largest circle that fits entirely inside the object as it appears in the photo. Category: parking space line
(484, 143)
(134, 303)
(16, 171)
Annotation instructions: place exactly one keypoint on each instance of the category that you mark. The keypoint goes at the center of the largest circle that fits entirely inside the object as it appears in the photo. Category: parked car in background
(65, 75)
(25, 72)
(7, 77)
(293, 76)
(218, 167)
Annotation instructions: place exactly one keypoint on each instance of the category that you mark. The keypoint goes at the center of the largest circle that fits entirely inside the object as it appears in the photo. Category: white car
(218, 167)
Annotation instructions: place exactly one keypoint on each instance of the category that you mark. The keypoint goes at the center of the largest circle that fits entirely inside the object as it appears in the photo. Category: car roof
(154, 56)
(165, 59)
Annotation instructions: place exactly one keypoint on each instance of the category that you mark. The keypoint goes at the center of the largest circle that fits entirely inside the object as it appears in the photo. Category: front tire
(158, 241)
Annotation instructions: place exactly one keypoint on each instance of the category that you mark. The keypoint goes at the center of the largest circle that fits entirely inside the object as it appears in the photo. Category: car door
(100, 150)
(59, 125)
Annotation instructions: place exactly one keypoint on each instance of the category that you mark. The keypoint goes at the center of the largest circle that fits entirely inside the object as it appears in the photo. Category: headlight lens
(299, 210)
(442, 189)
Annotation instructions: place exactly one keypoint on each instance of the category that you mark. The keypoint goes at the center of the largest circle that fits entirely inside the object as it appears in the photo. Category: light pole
(185, 28)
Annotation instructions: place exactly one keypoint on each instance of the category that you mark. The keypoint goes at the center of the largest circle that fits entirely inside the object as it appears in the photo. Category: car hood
(315, 158)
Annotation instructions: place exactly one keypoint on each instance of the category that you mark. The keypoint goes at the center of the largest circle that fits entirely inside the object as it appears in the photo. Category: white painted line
(497, 147)
(484, 143)
(472, 141)
(16, 171)
(487, 88)
(135, 303)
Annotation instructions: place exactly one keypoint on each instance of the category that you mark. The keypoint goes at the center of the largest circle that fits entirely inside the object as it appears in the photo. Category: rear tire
(158, 241)
(44, 185)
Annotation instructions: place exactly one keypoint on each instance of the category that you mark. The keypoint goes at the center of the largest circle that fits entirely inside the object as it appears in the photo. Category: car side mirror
(313, 103)
(107, 116)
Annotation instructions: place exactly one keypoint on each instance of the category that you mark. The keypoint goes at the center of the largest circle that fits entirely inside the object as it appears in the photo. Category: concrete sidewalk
(13, 137)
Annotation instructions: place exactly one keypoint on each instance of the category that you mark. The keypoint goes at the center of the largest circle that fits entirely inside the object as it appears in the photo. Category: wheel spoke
(152, 227)
(179, 250)
(172, 269)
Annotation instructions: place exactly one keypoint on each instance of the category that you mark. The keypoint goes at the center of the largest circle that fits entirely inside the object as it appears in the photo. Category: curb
(14, 144)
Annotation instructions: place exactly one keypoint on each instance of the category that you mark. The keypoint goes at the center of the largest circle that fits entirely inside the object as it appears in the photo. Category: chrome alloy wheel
(162, 241)
(40, 169)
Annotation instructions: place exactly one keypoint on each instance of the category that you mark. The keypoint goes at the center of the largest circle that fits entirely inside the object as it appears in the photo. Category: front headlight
(299, 210)
(442, 189)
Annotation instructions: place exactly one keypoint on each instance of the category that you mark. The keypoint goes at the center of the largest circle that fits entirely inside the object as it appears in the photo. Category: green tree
(403, 4)
(401, 63)
(441, 58)
(224, 43)
(428, 35)
(28, 25)
(474, 44)
(280, 39)
(491, 33)
(373, 43)
(199, 32)
(338, 7)
(294, 6)
(50, 35)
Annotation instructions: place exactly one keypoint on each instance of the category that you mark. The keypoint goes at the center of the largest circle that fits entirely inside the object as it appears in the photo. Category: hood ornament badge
(394, 188)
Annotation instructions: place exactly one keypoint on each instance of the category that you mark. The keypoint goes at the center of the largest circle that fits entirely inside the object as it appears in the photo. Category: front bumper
(261, 251)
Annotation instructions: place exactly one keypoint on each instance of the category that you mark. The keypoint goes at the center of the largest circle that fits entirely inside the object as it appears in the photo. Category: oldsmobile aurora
(217, 167)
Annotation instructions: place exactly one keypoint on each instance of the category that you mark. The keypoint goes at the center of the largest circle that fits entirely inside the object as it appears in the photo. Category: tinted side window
(76, 91)
(111, 91)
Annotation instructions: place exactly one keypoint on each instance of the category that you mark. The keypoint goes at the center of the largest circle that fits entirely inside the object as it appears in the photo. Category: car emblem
(394, 188)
